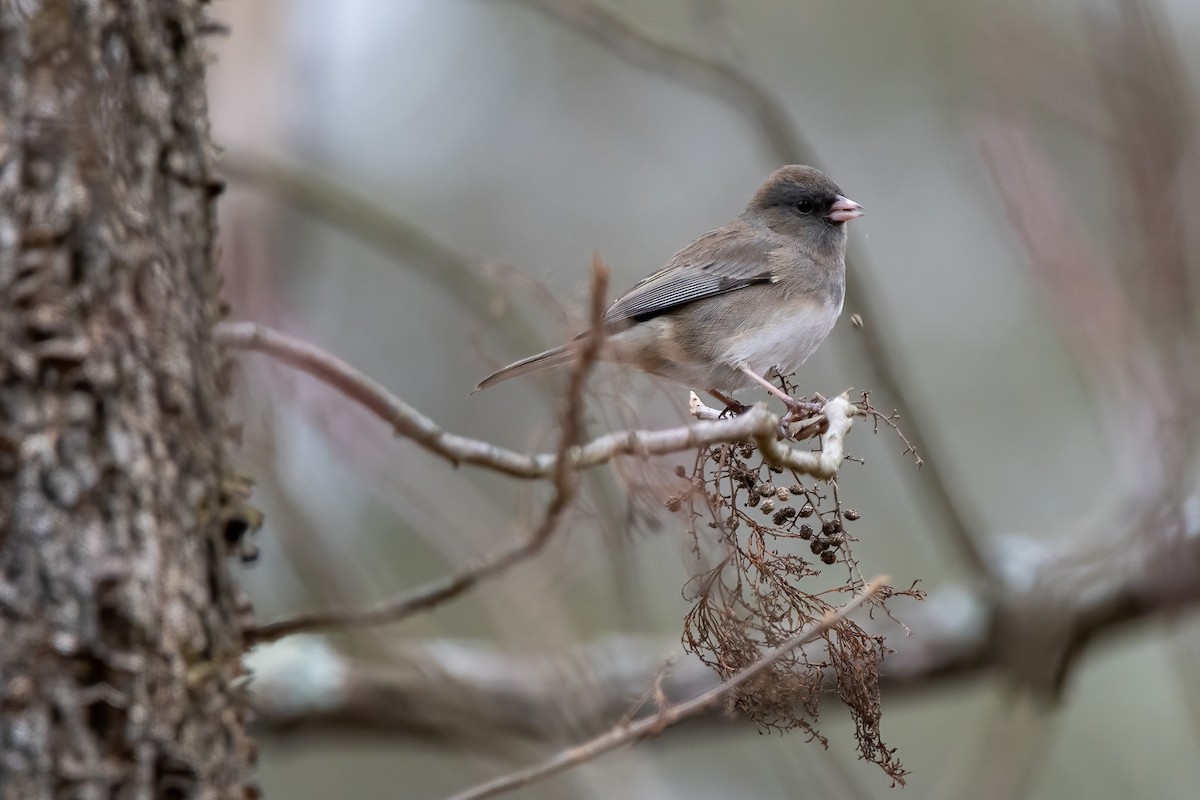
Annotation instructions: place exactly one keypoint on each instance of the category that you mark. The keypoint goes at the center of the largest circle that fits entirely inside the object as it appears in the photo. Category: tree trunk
(120, 626)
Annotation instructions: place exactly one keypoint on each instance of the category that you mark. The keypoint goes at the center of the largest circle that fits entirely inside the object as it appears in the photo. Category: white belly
(785, 340)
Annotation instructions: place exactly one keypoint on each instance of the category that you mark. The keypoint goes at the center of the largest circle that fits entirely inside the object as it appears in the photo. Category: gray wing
(720, 261)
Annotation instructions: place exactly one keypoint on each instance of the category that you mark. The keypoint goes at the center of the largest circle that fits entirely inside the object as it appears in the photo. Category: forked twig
(565, 481)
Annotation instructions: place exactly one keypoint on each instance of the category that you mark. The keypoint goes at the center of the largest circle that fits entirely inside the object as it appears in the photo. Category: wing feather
(720, 261)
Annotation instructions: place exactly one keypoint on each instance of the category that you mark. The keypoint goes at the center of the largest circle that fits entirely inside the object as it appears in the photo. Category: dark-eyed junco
(758, 294)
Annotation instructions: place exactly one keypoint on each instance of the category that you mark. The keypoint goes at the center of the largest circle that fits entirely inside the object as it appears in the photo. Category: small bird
(756, 295)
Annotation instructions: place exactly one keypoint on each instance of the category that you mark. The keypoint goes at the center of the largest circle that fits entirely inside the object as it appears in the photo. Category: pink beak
(844, 209)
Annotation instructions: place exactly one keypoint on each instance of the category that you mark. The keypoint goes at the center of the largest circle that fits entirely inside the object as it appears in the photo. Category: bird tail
(554, 357)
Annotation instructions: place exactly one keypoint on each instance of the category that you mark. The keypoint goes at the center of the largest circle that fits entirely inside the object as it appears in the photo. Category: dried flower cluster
(773, 533)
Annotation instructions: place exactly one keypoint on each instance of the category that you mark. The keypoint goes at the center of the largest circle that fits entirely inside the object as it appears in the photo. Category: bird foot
(800, 411)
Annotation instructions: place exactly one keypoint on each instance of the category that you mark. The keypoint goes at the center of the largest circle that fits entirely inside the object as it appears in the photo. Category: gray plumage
(759, 293)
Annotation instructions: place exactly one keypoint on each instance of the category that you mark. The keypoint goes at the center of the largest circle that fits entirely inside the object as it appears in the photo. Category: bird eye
(805, 206)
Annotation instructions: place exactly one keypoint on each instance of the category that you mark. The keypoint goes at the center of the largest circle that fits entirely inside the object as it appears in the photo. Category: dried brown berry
(807, 510)
(782, 494)
(767, 489)
(806, 532)
(768, 506)
(680, 471)
(851, 514)
(796, 488)
(829, 557)
(817, 546)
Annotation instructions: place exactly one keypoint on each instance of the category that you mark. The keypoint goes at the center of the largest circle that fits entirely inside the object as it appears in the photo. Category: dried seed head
(807, 510)
(767, 489)
(783, 494)
(806, 532)
(829, 557)
(768, 506)
(851, 514)
(796, 488)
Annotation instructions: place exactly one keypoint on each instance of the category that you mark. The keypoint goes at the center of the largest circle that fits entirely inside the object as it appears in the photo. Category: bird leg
(796, 409)
(787, 399)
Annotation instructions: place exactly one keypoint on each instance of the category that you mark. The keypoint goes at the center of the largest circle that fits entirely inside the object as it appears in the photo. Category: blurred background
(418, 186)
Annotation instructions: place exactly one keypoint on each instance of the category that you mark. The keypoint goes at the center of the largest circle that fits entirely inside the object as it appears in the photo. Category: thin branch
(631, 732)
(565, 480)
(770, 115)
(758, 423)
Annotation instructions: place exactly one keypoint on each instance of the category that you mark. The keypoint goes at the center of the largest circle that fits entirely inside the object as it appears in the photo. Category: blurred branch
(459, 276)
(1142, 81)
(788, 145)
(627, 733)
(462, 693)
(1126, 305)
(712, 77)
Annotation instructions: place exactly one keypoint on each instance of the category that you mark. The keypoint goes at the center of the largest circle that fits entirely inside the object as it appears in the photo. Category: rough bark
(120, 626)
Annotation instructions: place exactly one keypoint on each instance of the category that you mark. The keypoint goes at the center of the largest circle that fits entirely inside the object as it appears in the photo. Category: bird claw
(800, 411)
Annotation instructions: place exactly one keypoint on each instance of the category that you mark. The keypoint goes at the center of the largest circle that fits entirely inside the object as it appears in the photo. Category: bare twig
(412, 424)
(771, 117)
(565, 480)
(631, 732)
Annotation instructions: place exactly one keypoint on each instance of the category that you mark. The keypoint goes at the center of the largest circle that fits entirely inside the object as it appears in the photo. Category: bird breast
(784, 338)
